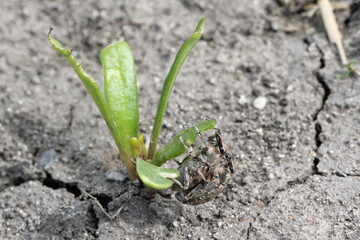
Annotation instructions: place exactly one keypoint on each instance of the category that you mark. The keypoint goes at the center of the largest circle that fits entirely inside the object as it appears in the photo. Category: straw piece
(331, 27)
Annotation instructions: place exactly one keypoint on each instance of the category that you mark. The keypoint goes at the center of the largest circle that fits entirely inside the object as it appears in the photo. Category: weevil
(205, 172)
(205, 191)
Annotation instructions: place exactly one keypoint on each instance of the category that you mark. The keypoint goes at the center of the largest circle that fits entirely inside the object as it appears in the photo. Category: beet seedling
(120, 110)
(349, 72)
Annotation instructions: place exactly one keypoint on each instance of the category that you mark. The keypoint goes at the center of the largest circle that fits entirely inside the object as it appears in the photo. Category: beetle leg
(200, 135)
(203, 161)
(179, 184)
(215, 175)
(194, 192)
(186, 178)
(177, 161)
(182, 141)
(201, 175)
(220, 141)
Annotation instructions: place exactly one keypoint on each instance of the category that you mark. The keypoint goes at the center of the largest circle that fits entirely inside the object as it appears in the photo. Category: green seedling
(350, 70)
(120, 110)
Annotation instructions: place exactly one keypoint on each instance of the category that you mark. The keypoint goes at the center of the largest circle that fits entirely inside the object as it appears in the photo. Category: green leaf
(169, 83)
(153, 176)
(95, 93)
(176, 148)
(121, 91)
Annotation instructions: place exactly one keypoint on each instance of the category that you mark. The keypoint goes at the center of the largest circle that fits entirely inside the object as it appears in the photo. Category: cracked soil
(297, 155)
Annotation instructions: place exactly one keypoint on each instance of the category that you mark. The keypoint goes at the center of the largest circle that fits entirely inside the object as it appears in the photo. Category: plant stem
(169, 83)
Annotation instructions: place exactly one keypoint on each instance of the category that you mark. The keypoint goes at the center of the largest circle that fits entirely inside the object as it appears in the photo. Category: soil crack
(71, 116)
(321, 81)
(92, 221)
(318, 130)
(248, 231)
(327, 92)
(71, 187)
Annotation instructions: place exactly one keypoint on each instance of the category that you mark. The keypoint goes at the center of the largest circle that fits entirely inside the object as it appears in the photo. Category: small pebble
(290, 88)
(48, 159)
(175, 223)
(211, 81)
(35, 80)
(204, 215)
(112, 175)
(260, 103)
(242, 100)
(259, 131)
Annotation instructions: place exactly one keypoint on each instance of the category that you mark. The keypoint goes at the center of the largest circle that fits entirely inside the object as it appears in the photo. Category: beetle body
(205, 172)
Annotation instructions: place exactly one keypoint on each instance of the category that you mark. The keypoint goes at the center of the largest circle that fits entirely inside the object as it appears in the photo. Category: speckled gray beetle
(205, 172)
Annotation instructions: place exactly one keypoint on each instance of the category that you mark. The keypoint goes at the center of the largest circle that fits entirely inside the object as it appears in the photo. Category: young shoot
(349, 72)
(120, 109)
